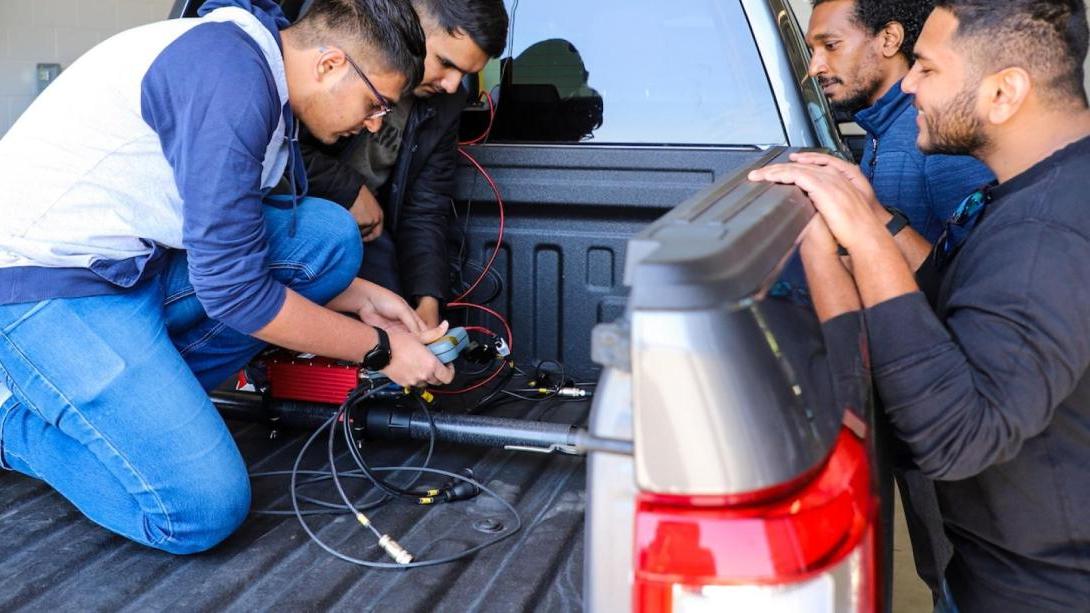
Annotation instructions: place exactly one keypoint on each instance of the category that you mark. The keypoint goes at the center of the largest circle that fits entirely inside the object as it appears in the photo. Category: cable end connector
(363, 519)
(572, 392)
(394, 550)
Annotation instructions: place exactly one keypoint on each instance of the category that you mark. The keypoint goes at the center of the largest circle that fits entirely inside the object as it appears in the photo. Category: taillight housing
(805, 546)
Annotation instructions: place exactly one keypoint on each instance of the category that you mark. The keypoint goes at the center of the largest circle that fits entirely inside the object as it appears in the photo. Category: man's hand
(427, 307)
(380, 307)
(914, 247)
(368, 215)
(847, 211)
(849, 171)
(412, 363)
(879, 268)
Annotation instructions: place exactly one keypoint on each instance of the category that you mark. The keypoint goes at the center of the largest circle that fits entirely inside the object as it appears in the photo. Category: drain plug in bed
(488, 525)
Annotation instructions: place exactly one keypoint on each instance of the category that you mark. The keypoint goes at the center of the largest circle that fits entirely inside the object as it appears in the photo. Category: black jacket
(991, 391)
(416, 200)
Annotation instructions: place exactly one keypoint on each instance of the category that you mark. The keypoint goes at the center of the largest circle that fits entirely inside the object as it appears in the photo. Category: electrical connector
(572, 392)
(457, 489)
(464, 490)
(394, 550)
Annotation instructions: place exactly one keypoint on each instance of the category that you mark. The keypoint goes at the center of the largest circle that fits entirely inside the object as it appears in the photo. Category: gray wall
(48, 31)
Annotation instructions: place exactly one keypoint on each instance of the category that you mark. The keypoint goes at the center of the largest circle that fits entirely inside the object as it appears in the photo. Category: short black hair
(484, 21)
(389, 30)
(1048, 38)
(876, 14)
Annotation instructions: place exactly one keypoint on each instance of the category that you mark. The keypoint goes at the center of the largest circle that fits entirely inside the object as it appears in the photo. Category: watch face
(379, 356)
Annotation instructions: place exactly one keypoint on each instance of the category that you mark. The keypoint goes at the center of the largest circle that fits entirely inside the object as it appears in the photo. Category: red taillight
(805, 547)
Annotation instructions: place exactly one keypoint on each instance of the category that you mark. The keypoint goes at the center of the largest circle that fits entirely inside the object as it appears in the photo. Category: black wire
(343, 414)
(491, 275)
(331, 508)
(496, 389)
(389, 565)
(389, 488)
(333, 474)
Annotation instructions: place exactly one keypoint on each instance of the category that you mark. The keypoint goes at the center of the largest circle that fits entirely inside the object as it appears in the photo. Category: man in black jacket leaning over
(409, 164)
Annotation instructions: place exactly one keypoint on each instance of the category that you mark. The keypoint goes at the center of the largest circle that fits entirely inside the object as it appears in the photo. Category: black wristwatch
(379, 357)
(895, 225)
(898, 223)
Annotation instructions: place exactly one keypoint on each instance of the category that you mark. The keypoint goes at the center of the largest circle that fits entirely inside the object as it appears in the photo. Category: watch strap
(378, 357)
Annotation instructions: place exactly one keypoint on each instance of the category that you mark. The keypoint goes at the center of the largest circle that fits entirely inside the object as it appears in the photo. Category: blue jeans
(105, 397)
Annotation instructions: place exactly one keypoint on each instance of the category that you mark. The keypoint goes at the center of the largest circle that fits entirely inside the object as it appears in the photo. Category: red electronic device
(306, 377)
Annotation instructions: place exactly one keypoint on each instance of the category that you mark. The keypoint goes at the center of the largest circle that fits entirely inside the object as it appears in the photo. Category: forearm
(302, 325)
(351, 299)
(831, 286)
(880, 270)
(913, 247)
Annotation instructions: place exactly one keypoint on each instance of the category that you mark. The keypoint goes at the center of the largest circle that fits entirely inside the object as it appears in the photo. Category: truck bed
(52, 558)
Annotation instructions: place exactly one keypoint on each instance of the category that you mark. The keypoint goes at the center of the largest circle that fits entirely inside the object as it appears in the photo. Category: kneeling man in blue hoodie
(142, 263)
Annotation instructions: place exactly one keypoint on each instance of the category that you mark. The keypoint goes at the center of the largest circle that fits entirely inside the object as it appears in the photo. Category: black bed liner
(52, 558)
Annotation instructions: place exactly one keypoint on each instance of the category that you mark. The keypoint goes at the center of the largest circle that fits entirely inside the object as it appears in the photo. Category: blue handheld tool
(446, 349)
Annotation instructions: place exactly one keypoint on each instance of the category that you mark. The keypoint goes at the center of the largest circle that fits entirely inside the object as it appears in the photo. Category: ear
(329, 59)
(891, 38)
(1005, 93)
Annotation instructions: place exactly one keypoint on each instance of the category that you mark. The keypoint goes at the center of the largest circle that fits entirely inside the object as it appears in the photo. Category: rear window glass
(629, 72)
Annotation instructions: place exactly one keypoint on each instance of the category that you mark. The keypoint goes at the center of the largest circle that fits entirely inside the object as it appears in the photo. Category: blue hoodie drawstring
(293, 142)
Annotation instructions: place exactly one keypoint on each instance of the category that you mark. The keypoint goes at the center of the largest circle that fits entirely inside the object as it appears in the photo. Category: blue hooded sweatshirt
(166, 136)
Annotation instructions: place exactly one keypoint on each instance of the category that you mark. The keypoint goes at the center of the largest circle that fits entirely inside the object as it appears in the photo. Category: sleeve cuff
(901, 328)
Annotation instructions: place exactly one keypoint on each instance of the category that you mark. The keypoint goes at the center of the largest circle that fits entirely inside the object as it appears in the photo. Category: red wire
(480, 329)
(491, 118)
(506, 327)
(495, 373)
(499, 236)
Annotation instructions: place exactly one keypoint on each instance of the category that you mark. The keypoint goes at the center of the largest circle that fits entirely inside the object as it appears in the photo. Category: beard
(955, 129)
(856, 99)
(868, 79)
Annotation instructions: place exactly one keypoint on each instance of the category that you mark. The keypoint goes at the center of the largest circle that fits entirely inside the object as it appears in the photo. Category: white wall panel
(48, 31)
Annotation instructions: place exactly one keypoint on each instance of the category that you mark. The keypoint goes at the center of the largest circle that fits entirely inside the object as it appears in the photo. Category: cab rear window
(628, 72)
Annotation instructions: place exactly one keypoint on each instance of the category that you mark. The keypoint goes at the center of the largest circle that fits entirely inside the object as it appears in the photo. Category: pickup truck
(636, 255)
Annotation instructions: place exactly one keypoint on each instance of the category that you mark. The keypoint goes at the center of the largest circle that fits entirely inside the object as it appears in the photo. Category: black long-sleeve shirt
(989, 388)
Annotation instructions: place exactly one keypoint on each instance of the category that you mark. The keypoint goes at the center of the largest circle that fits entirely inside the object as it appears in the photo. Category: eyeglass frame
(386, 107)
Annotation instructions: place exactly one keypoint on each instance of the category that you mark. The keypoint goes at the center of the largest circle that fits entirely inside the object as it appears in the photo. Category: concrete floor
(910, 594)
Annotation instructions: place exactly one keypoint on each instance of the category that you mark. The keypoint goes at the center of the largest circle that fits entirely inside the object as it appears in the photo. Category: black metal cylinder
(389, 421)
(482, 431)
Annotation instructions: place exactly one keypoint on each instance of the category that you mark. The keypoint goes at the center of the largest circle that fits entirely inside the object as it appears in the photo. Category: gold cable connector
(395, 551)
(363, 519)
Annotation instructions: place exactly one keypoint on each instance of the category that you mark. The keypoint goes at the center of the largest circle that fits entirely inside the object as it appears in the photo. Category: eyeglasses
(384, 105)
(956, 230)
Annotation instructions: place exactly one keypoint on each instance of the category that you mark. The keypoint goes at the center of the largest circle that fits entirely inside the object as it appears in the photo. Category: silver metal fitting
(394, 550)
(571, 392)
